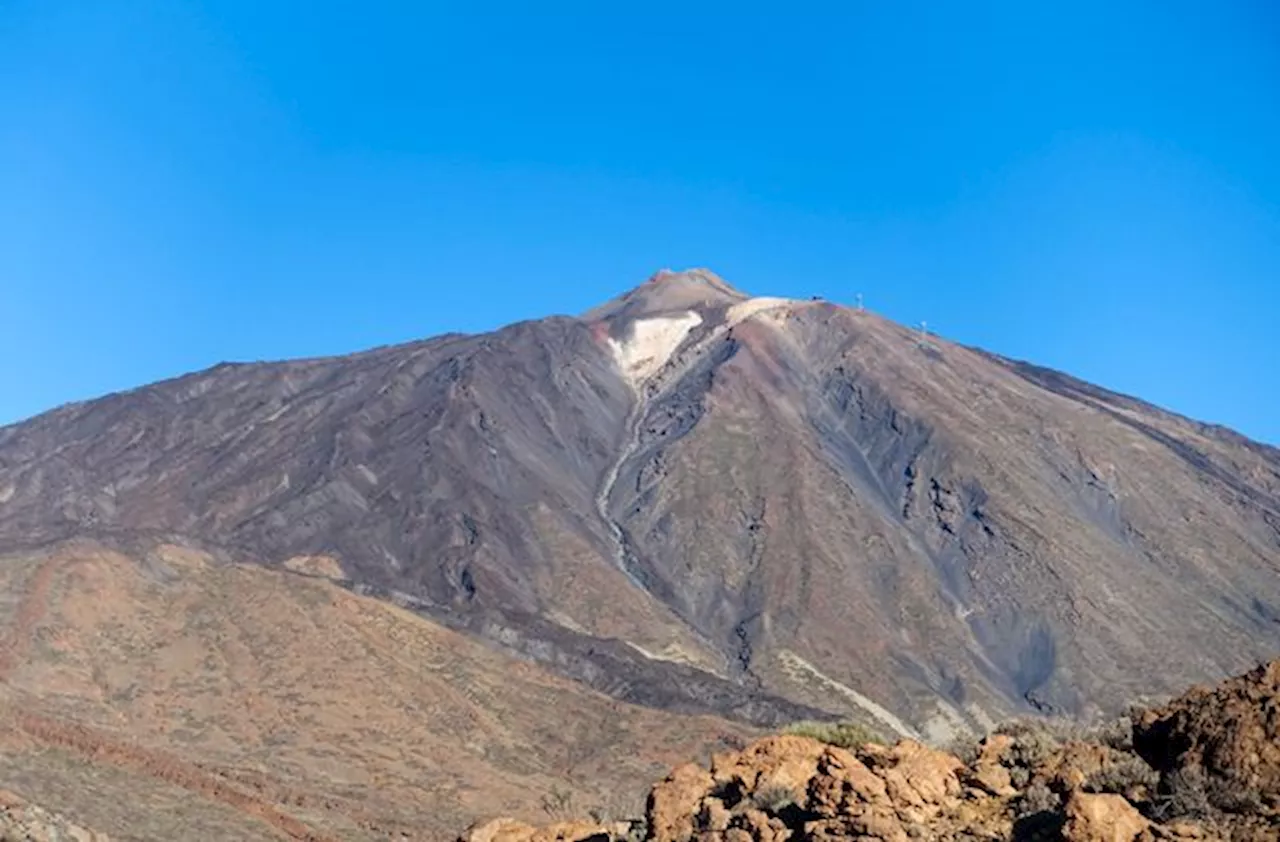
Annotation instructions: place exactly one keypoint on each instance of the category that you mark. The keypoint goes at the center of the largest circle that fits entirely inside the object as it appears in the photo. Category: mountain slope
(170, 695)
(711, 503)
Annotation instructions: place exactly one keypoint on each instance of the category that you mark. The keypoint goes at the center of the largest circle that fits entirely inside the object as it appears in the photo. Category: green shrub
(841, 734)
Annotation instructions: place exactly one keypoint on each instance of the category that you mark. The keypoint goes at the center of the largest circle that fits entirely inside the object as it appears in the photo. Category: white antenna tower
(923, 342)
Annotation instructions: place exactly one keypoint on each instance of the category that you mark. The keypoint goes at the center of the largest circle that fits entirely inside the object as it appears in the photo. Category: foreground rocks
(1230, 733)
(1211, 772)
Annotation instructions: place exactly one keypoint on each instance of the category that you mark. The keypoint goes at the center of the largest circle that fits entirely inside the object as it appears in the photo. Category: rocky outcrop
(1103, 818)
(1230, 733)
(1028, 783)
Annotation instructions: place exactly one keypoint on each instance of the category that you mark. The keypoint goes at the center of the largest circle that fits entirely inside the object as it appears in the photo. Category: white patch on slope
(744, 310)
(651, 344)
(794, 664)
(6, 493)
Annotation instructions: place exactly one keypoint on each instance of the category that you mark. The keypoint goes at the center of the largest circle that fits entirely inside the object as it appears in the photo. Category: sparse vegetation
(558, 803)
(965, 748)
(841, 734)
(1235, 799)
(1129, 775)
(1189, 793)
(1033, 742)
(1115, 734)
(774, 799)
(1037, 799)
(1183, 795)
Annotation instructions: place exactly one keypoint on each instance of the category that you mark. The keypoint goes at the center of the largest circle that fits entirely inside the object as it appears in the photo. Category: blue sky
(1093, 186)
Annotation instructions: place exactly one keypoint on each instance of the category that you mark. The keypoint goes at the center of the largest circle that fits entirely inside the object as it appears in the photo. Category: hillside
(703, 506)
(171, 695)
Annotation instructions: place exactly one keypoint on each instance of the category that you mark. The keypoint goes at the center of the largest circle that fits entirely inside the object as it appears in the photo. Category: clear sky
(1093, 186)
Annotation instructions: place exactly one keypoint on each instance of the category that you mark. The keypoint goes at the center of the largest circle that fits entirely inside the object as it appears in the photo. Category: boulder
(783, 762)
(844, 784)
(676, 802)
(916, 776)
(1102, 818)
(988, 772)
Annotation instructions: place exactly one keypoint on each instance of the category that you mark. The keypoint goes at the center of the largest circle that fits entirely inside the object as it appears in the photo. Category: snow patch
(6, 493)
(651, 344)
(744, 310)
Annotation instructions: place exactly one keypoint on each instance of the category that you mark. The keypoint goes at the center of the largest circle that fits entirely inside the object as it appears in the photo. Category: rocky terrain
(1204, 767)
(363, 595)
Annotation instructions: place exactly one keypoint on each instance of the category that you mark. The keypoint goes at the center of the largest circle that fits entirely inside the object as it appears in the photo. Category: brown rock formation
(1231, 732)
(1102, 818)
(796, 789)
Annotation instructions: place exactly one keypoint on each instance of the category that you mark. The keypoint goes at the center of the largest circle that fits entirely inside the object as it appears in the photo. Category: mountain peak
(670, 290)
(694, 278)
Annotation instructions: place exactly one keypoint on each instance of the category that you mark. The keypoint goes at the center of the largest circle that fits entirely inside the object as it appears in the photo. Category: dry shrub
(1033, 742)
(1183, 794)
(558, 804)
(774, 799)
(1037, 799)
(965, 749)
(1128, 775)
(841, 734)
